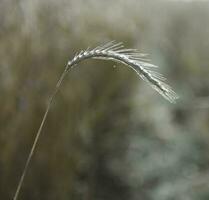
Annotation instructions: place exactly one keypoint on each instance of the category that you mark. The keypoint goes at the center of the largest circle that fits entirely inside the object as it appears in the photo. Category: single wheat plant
(109, 51)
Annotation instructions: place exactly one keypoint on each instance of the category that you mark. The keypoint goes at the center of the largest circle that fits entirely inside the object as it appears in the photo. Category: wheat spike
(133, 59)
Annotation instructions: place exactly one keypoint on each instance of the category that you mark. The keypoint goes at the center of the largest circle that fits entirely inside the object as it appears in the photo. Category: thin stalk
(20, 183)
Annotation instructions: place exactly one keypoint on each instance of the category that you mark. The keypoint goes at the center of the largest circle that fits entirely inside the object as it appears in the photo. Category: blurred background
(108, 135)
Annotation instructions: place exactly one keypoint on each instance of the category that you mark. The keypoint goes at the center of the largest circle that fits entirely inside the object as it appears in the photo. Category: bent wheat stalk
(109, 51)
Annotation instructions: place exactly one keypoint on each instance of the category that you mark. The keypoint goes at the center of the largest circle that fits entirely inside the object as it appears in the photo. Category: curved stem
(19, 186)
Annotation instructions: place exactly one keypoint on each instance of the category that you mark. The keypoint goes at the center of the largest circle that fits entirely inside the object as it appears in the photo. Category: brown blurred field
(108, 136)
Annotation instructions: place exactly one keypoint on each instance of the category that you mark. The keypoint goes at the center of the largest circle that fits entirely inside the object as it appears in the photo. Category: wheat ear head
(109, 51)
(133, 59)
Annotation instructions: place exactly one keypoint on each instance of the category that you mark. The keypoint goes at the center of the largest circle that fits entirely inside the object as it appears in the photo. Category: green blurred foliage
(108, 134)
